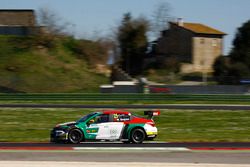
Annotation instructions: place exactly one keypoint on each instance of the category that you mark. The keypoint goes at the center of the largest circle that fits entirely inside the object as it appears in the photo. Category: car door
(105, 127)
(111, 129)
(93, 126)
(98, 127)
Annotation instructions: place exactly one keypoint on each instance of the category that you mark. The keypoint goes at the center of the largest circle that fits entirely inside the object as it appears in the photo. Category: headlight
(59, 132)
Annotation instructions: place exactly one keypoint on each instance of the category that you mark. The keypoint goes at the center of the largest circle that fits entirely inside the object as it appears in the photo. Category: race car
(107, 125)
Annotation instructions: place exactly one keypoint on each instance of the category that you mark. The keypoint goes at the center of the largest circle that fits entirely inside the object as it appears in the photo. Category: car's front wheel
(75, 136)
(137, 136)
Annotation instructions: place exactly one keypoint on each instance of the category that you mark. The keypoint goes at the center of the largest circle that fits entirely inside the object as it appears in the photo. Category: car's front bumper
(57, 135)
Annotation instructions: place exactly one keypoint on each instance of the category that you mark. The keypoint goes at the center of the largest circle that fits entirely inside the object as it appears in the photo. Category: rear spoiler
(152, 113)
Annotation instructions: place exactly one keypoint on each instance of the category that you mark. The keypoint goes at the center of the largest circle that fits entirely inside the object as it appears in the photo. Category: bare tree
(160, 18)
(53, 22)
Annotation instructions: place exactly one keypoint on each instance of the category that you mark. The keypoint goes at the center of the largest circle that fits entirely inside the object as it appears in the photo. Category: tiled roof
(201, 29)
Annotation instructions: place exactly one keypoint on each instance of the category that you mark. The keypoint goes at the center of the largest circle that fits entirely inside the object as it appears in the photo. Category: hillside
(28, 64)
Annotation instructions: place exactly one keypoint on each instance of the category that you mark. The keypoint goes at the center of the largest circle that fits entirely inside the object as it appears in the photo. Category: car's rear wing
(152, 113)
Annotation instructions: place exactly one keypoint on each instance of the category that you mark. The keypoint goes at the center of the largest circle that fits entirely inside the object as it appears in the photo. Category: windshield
(83, 119)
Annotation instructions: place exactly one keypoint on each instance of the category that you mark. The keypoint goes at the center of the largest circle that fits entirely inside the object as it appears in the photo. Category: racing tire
(75, 136)
(137, 136)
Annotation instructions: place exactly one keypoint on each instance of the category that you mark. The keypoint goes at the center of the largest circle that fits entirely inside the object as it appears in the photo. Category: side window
(121, 117)
(102, 118)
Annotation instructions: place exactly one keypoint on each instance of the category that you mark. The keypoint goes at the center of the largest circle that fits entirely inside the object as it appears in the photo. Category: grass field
(33, 125)
(136, 98)
(30, 67)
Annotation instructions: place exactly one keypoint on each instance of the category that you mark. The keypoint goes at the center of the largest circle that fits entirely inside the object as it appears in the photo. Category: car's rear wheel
(137, 136)
(75, 136)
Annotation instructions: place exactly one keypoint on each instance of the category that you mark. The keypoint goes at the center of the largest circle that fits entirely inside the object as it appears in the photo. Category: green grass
(202, 126)
(119, 102)
(98, 98)
(33, 125)
(28, 67)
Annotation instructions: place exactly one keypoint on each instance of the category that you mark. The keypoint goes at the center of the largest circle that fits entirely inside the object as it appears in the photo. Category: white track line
(134, 148)
(108, 164)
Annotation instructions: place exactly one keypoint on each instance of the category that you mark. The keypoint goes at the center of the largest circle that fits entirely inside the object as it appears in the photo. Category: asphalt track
(148, 106)
(146, 157)
(217, 155)
(119, 144)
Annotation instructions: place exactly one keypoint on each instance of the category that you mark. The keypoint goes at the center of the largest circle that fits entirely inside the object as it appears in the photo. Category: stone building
(195, 45)
(17, 22)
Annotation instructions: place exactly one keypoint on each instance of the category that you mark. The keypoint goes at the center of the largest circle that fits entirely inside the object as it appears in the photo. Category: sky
(91, 18)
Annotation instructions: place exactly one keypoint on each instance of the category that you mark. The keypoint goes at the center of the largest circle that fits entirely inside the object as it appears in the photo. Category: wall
(197, 52)
(17, 17)
(175, 89)
(17, 22)
(121, 88)
(205, 51)
(176, 42)
(210, 89)
(16, 30)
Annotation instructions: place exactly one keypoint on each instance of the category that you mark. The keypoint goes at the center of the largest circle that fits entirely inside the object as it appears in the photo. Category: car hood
(67, 124)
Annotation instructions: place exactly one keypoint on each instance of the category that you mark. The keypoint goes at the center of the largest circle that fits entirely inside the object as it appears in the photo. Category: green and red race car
(107, 125)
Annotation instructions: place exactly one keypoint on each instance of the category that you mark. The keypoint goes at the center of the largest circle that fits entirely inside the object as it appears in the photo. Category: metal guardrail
(120, 97)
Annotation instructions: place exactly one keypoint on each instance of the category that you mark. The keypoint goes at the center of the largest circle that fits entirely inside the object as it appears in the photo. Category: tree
(133, 43)
(221, 69)
(160, 18)
(51, 27)
(241, 49)
(236, 66)
(53, 22)
(237, 72)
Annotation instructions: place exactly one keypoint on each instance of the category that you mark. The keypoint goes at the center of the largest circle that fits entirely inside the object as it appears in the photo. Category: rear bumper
(151, 132)
(151, 135)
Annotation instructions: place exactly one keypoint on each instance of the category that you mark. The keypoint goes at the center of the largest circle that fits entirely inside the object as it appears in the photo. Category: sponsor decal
(113, 131)
(91, 130)
(124, 119)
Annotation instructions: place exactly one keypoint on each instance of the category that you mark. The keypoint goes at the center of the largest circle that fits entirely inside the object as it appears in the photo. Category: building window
(214, 42)
(202, 41)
